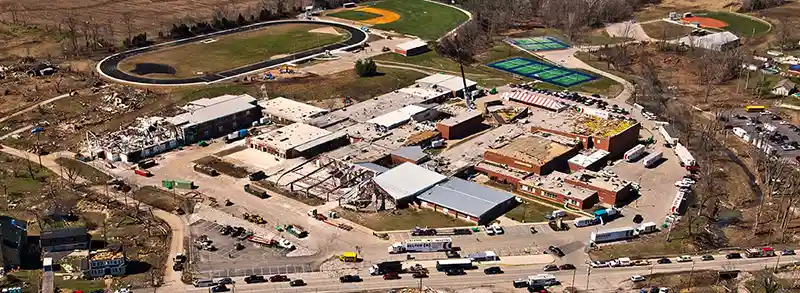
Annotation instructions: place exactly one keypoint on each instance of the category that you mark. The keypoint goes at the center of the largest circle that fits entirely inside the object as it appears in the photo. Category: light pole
(461, 66)
(588, 273)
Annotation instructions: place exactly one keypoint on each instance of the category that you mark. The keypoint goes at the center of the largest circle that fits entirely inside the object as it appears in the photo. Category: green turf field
(421, 18)
(236, 50)
(739, 25)
(354, 15)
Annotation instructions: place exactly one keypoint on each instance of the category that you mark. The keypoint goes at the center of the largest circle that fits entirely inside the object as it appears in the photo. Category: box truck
(584, 221)
(646, 228)
(634, 153)
(386, 267)
(652, 159)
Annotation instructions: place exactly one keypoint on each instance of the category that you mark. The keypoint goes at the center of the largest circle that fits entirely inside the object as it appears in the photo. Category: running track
(108, 66)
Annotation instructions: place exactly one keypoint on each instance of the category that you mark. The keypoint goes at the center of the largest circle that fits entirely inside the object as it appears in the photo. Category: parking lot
(782, 136)
(226, 261)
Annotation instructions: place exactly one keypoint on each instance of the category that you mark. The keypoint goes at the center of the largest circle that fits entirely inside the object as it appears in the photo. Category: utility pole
(588, 273)
(574, 273)
(467, 101)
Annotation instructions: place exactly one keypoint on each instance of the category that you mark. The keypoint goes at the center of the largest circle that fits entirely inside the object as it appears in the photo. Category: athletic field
(545, 72)
(540, 44)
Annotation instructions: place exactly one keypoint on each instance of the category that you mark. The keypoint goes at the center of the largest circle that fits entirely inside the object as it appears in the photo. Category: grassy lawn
(529, 212)
(599, 37)
(236, 50)
(405, 219)
(354, 15)
(84, 170)
(343, 84)
(421, 18)
(649, 246)
(739, 25)
(665, 31)
(432, 61)
(79, 284)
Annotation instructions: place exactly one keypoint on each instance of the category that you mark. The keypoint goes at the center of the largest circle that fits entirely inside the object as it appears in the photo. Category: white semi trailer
(422, 245)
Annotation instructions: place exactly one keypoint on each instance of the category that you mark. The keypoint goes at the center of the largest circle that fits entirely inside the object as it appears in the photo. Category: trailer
(422, 245)
(652, 159)
(255, 190)
(634, 153)
(584, 222)
(184, 184)
(687, 160)
(647, 228)
(143, 172)
(236, 135)
(677, 203)
(668, 138)
(386, 267)
(610, 235)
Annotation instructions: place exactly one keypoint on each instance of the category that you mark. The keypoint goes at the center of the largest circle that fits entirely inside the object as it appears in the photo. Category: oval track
(108, 66)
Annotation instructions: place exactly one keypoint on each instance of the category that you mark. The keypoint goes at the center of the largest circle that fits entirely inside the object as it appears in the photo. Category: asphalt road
(108, 66)
(601, 279)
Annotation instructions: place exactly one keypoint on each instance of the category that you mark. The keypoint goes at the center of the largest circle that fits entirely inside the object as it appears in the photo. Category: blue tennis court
(540, 44)
(542, 71)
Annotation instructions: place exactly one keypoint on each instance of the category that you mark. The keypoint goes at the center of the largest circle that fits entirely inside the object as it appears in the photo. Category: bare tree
(771, 174)
(127, 20)
(72, 30)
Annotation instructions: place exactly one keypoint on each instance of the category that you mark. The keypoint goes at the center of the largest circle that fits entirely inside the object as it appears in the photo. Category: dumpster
(184, 184)
(168, 184)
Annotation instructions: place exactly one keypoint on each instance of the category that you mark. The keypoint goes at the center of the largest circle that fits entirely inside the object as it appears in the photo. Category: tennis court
(540, 44)
(545, 72)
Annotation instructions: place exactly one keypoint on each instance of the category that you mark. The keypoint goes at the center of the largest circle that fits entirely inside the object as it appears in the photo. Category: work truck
(422, 245)
(386, 267)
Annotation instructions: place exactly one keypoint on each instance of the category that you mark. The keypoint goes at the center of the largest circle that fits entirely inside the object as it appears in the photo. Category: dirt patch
(326, 30)
(309, 200)
(386, 16)
(161, 199)
(81, 169)
(706, 22)
(405, 219)
(223, 167)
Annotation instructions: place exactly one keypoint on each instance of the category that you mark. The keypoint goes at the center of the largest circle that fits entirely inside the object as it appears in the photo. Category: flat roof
(212, 109)
(461, 118)
(407, 180)
(554, 182)
(585, 160)
(359, 152)
(446, 81)
(399, 116)
(291, 110)
(413, 44)
(571, 121)
(413, 153)
(466, 197)
(599, 180)
(531, 149)
(63, 232)
(374, 167)
(291, 136)
(513, 173)
(319, 141)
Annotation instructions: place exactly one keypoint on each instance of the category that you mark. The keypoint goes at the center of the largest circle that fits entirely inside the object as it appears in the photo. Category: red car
(391, 276)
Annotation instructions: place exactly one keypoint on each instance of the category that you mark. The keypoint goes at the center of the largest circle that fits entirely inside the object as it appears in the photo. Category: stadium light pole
(461, 66)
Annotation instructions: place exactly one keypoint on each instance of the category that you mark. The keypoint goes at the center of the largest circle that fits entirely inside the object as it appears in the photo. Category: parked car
(637, 278)
(707, 257)
(220, 288)
(600, 264)
(555, 251)
(664, 260)
(787, 252)
(225, 281)
(391, 276)
(278, 278)
(493, 271)
(733, 255)
(684, 258)
(297, 283)
(549, 268)
(252, 279)
(452, 254)
(566, 266)
(350, 279)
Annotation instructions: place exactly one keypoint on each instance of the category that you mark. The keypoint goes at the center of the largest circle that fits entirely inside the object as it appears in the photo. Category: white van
(203, 283)
(583, 222)
(543, 280)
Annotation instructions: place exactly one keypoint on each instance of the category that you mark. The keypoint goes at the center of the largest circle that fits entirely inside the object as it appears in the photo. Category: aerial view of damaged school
(406, 146)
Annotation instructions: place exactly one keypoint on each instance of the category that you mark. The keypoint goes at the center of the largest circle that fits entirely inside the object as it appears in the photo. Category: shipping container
(168, 184)
(184, 184)
(142, 172)
(634, 153)
(652, 158)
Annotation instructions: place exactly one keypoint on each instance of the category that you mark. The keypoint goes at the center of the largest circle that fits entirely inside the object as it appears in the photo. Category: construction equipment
(296, 231)
(253, 218)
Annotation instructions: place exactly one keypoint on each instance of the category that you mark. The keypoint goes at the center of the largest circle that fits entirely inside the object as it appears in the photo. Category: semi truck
(255, 190)
(677, 203)
(610, 235)
(236, 135)
(386, 267)
(760, 252)
(652, 159)
(634, 153)
(422, 245)
(687, 160)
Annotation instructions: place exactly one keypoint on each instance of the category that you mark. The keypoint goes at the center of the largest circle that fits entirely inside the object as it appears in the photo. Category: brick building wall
(557, 164)
(557, 197)
(606, 196)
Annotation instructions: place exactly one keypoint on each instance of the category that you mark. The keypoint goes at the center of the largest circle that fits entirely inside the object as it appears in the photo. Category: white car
(600, 264)
(285, 244)
(683, 184)
(688, 180)
(498, 230)
(684, 258)
(637, 278)
(489, 231)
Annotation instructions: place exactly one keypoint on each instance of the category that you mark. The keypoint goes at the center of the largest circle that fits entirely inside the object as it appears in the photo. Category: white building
(286, 110)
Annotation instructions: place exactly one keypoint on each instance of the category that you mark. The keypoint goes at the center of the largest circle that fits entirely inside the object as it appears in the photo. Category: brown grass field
(236, 50)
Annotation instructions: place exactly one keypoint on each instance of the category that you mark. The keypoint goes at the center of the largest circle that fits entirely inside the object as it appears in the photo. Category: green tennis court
(532, 68)
(511, 63)
(572, 79)
(552, 73)
(542, 71)
(540, 44)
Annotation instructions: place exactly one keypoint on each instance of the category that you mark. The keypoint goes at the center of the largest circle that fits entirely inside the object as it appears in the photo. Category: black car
(452, 254)
(664, 260)
(419, 275)
(734, 255)
(454, 272)
(350, 279)
(493, 271)
(555, 251)
(220, 288)
(566, 266)
(520, 283)
(225, 230)
(297, 283)
(225, 281)
(278, 278)
(252, 279)
(550, 268)
(533, 230)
